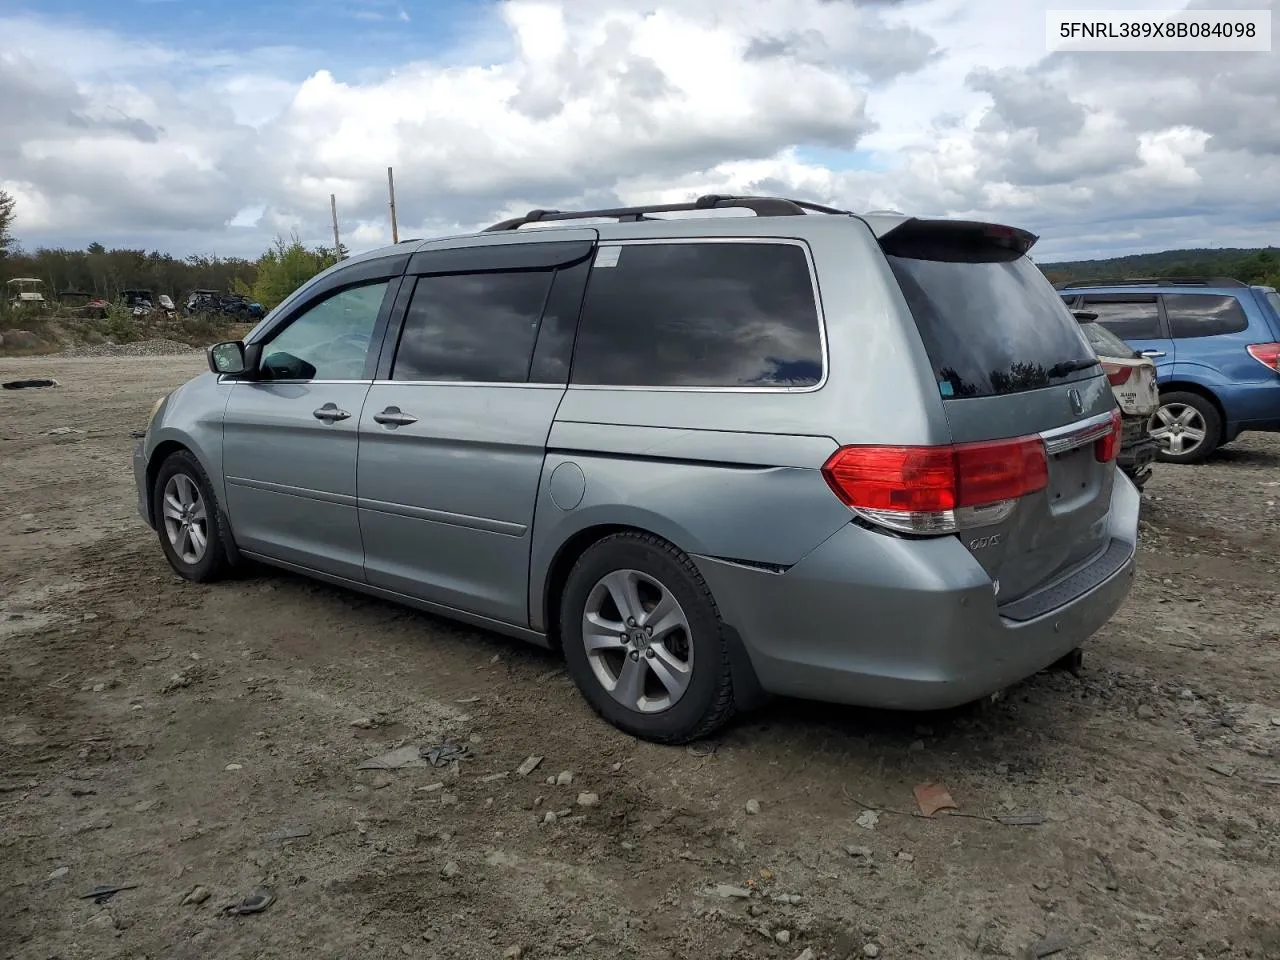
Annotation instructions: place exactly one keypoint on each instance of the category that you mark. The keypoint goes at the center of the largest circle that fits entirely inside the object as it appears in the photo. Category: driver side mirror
(234, 358)
(1084, 316)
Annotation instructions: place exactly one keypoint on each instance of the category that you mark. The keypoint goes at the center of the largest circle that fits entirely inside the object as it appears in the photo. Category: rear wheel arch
(558, 571)
(1187, 386)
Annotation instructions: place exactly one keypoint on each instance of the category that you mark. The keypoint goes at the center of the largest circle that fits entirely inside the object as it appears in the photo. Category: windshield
(991, 323)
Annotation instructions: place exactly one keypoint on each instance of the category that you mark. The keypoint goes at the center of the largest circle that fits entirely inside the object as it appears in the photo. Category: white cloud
(568, 103)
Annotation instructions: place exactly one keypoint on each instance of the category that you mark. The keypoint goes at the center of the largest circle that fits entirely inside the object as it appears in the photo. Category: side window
(1203, 315)
(699, 315)
(330, 340)
(1130, 318)
(472, 327)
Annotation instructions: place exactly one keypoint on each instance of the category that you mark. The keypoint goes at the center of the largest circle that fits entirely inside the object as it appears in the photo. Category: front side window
(734, 314)
(472, 327)
(1130, 318)
(1203, 315)
(328, 341)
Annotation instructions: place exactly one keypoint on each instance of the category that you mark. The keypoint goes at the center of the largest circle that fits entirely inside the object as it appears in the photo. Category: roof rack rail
(760, 206)
(1155, 282)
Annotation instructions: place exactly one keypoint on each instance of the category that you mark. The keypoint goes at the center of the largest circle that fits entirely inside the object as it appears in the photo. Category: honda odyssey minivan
(860, 459)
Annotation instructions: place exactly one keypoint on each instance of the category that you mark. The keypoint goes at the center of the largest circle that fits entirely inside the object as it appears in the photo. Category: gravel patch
(143, 348)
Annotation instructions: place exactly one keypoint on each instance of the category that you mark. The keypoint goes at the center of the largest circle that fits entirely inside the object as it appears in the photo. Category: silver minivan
(710, 457)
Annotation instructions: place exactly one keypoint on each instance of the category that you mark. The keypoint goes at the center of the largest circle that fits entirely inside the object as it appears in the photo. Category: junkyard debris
(398, 759)
(1022, 819)
(101, 894)
(932, 797)
(255, 902)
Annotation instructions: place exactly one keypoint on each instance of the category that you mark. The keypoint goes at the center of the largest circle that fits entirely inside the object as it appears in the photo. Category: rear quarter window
(1203, 315)
(708, 314)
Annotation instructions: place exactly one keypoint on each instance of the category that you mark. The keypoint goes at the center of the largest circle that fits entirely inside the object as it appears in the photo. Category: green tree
(285, 267)
(7, 203)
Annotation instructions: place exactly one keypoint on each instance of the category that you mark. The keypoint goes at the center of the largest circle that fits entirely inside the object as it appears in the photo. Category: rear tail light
(1117, 373)
(936, 490)
(1107, 448)
(1267, 354)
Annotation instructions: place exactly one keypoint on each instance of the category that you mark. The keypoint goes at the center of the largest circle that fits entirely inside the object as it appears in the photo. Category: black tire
(1212, 427)
(707, 702)
(213, 563)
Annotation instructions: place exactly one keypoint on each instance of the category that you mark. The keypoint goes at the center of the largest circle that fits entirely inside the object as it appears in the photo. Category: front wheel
(187, 520)
(1187, 427)
(644, 642)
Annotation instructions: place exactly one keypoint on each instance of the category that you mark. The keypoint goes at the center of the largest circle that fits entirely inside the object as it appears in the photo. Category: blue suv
(1216, 345)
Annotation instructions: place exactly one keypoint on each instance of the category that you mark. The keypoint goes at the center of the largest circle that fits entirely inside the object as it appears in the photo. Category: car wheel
(187, 519)
(1187, 427)
(644, 642)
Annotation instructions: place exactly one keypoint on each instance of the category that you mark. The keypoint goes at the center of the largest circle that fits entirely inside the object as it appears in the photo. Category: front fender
(191, 417)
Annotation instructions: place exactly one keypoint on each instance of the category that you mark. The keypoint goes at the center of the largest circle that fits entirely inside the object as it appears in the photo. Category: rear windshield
(991, 322)
(1105, 343)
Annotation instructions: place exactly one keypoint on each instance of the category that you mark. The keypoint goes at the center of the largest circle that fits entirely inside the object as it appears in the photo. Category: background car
(1133, 381)
(1216, 346)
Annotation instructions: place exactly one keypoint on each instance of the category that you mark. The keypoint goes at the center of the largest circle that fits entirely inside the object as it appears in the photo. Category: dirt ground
(168, 735)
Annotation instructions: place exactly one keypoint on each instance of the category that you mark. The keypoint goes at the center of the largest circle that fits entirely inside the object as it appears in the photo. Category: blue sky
(200, 127)
(363, 32)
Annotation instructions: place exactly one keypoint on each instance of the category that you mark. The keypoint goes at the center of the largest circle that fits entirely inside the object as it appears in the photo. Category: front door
(454, 431)
(290, 435)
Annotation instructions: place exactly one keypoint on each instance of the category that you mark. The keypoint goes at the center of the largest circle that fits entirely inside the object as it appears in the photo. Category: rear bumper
(1137, 451)
(878, 621)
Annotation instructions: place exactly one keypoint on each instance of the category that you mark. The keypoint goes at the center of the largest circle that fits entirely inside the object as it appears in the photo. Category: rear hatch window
(991, 322)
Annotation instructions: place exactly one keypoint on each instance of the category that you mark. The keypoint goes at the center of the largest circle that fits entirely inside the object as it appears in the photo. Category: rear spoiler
(904, 233)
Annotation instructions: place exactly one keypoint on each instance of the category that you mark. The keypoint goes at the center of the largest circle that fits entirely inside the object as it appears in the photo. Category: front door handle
(1152, 353)
(330, 413)
(394, 417)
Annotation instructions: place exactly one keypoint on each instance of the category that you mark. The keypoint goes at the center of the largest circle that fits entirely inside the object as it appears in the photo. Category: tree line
(99, 272)
(1256, 266)
(289, 263)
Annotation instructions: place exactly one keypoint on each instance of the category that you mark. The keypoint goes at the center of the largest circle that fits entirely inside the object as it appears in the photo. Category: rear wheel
(1187, 427)
(643, 640)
